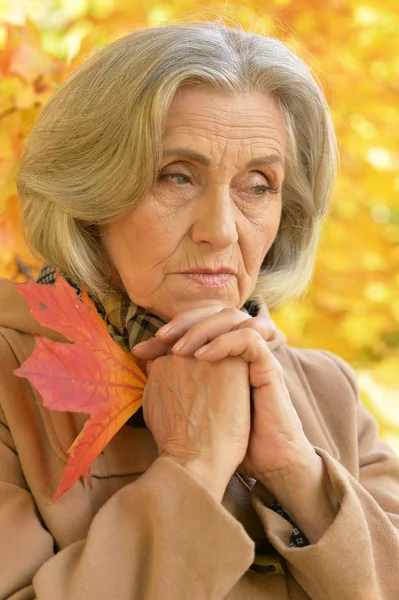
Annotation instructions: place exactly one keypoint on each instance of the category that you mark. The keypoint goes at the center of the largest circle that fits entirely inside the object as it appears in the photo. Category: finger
(208, 329)
(250, 345)
(151, 349)
(222, 323)
(182, 322)
(263, 325)
(170, 333)
(246, 343)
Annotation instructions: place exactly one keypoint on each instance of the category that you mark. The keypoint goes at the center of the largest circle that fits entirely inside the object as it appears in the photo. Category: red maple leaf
(94, 375)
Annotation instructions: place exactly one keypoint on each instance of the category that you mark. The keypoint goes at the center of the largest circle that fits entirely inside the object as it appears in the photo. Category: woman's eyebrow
(204, 160)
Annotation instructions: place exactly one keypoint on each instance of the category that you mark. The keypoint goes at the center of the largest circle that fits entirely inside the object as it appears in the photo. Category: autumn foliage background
(352, 308)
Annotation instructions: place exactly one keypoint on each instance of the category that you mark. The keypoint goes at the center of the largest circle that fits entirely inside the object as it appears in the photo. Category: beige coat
(149, 531)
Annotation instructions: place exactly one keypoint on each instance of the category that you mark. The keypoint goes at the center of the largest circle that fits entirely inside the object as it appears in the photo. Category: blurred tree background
(352, 308)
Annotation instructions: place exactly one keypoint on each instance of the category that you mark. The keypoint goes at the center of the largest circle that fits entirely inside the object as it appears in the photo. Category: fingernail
(201, 351)
(164, 329)
(179, 345)
(138, 346)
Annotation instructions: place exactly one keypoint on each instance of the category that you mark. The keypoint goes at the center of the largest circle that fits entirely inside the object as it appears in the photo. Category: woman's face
(201, 234)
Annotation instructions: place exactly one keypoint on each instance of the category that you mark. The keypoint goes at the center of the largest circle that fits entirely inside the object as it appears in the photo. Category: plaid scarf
(128, 324)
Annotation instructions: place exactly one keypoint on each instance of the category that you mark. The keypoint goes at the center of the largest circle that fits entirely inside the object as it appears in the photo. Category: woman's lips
(210, 279)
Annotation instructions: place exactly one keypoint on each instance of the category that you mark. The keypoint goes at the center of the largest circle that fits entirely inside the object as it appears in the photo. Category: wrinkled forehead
(203, 123)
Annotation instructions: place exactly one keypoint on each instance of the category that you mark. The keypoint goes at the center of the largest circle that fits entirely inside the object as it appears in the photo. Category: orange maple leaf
(94, 375)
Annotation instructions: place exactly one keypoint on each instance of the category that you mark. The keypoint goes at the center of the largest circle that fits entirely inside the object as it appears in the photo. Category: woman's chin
(207, 291)
(185, 305)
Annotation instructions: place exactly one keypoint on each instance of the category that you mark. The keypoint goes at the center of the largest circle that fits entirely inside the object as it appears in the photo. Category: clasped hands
(273, 443)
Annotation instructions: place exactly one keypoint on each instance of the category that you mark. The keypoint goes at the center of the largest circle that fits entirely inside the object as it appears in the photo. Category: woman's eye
(265, 190)
(175, 175)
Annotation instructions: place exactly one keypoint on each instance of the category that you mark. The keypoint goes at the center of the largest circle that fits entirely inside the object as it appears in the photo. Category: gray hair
(96, 148)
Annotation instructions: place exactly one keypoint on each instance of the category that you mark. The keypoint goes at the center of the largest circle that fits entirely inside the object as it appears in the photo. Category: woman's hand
(277, 443)
(196, 327)
(199, 415)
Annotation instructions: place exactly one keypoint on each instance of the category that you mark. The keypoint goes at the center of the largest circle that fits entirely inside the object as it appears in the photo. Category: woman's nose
(214, 221)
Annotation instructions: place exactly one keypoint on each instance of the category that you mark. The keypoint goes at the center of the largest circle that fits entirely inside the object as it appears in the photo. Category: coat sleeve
(358, 556)
(161, 536)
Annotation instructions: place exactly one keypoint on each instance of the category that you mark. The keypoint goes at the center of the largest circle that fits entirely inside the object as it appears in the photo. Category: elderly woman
(181, 175)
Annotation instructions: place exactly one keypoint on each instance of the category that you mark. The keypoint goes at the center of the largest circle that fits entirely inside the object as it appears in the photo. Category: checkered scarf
(128, 324)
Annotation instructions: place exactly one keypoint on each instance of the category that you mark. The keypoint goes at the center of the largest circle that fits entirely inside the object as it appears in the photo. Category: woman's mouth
(210, 279)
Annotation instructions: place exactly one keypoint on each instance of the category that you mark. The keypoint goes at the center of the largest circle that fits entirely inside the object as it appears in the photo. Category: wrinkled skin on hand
(199, 411)
(276, 442)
